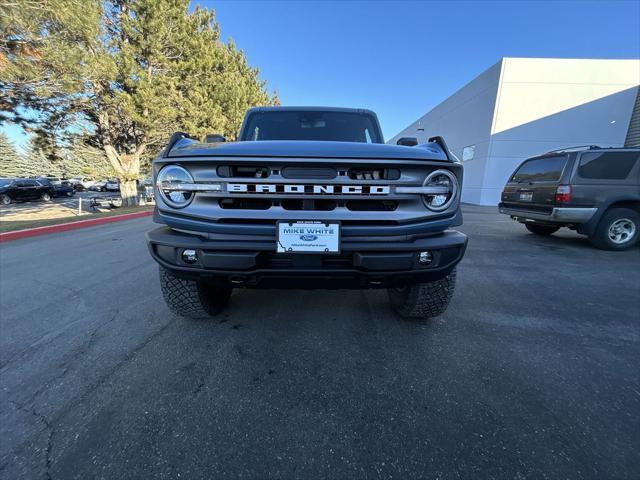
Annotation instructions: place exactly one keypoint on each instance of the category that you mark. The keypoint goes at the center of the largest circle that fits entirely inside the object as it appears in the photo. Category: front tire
(543, 230)
(45, 197)
(5, 199)
(618, 229)
(195, 299)
(423, 300)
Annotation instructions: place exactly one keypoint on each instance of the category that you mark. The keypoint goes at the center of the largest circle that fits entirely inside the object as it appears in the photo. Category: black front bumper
(255, 263)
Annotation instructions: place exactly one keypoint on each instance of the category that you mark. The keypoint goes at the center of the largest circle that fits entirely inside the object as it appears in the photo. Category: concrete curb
(62, 227)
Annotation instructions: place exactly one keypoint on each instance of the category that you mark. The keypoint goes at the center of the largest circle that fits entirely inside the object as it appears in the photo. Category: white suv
(112, 185)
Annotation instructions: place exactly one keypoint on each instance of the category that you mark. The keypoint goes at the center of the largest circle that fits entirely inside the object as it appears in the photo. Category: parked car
(594, 191)
(63, 191)
(51, 179)
(81, 183)
(113, 185)
(328, 205)
(23, 189)
(145, 188)
(99, 186)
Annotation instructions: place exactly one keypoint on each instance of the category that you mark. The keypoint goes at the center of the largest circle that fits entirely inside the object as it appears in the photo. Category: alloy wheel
(621, 231)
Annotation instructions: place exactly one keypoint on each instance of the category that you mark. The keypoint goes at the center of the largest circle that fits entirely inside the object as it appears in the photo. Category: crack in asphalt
(25, 351)
(48, 424)
(199, 387)
(47, 427)
(68, 363)
(127, 358)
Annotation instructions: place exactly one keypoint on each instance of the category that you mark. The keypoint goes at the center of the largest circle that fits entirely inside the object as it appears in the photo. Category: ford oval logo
(308, 238)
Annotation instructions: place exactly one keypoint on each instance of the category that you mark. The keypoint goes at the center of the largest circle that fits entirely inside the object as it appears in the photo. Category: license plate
(308, 237)
(526, 196)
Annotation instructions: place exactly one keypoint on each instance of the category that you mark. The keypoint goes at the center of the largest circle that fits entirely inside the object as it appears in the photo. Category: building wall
(463, 119)
(633, 133)
(546, 104)
(522, 107)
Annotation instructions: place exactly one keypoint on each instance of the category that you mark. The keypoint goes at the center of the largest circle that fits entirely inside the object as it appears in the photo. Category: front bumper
(255, 263)
(562, 215)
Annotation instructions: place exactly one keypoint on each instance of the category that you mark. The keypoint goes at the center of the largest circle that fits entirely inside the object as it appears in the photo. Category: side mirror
(214, 138)
(407, 141)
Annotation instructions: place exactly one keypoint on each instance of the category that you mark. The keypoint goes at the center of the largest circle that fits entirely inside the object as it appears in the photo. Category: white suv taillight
(563, 194)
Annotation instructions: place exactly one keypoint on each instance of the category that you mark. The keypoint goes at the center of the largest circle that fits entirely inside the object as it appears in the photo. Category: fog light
(425, 258)
(189, 256)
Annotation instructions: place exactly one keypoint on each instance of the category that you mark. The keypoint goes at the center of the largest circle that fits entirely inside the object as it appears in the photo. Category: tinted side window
(607, 165)
(540, 169)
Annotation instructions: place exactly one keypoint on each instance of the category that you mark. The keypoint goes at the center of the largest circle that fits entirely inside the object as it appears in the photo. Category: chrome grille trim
(406, 192)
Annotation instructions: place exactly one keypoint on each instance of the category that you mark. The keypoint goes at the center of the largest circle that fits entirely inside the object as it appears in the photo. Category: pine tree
(83, 160)
(34, 162)
(9, 158)
(133, 70)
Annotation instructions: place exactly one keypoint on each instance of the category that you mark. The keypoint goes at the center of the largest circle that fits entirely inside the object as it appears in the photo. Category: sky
(402, 58)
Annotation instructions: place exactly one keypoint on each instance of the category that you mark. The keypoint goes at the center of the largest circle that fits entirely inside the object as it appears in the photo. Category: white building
(522, 107)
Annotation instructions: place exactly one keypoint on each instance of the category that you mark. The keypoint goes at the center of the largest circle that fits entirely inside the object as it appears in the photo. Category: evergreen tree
(83, 160)
(133, 70)
(9, 158)
(34, 162)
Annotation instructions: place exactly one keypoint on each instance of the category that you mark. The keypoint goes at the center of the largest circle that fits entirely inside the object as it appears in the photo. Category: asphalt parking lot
(533, 372)
(57, 207)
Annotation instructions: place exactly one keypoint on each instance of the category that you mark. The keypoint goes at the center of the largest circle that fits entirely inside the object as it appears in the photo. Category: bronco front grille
(319, 205)
(254, 191)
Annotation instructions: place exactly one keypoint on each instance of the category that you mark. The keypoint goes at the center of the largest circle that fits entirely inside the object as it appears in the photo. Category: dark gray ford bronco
(307, 198)
(594, 191)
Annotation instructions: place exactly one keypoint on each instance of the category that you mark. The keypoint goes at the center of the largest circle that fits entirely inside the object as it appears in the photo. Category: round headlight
(168, 183)
(439, 202)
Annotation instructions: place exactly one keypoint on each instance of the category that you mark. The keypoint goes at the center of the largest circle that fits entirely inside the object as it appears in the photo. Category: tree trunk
(127, 168)
(129, 193)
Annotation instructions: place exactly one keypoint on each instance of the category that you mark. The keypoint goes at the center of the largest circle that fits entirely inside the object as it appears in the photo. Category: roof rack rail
(578, 147)
(175, 138)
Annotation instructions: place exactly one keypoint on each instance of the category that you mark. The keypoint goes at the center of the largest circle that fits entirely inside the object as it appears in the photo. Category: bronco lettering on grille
(308, 189)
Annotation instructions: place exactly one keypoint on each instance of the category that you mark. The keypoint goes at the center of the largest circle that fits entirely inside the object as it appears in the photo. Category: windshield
(5, 182)
(312, 125)
(540, 169)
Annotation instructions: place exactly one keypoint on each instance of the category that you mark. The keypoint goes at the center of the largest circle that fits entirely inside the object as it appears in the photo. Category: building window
(468, 153)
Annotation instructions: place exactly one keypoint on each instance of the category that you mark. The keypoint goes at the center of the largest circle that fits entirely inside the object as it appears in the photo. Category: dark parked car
(594, 191)
(23, 189)
(63, 190)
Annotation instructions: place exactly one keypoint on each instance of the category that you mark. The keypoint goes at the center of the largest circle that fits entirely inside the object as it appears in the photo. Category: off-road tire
(600, 239)
(423, 300)
(193, 299)
(5, 199)
(543, 230)
(45, 197)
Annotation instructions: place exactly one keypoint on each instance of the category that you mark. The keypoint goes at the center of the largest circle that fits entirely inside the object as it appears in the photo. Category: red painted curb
(33, 232)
